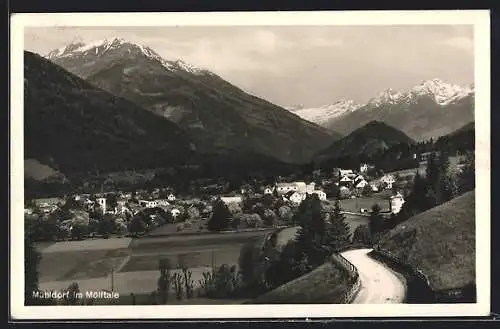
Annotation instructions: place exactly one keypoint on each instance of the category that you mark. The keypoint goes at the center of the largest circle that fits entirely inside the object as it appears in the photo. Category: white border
(479, 18)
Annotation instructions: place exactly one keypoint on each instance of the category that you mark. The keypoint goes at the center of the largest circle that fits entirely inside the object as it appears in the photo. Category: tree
(221, 217)
(72, 292)
(106, 226)
(376, 221)
(467, 177)
(137, 225)
(31, 261)
(338, 234)
(165, 279)
(362, 235)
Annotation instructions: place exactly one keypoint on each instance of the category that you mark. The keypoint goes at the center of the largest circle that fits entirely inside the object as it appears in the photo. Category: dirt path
(379, 284)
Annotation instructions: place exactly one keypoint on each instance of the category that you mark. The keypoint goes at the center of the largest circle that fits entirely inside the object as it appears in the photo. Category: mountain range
(218, 116)
(431, 109)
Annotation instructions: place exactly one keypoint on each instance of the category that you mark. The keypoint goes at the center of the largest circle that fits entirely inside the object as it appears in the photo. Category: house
(175, 212)
(374, 187)
(363, 168)
(345, 181)
(294, 197)
(321, 195)
(310, 188)
(162, 202)
(171, 197)
(268, 190)
(345, 172)
(148, 203)
(121, 203)
(102, 203)
(360, 183)
(283, 188)
(388, 180)
(396, 202)
(231, 199)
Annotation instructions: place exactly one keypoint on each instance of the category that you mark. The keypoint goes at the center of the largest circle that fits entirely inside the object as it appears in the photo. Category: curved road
(379, 284)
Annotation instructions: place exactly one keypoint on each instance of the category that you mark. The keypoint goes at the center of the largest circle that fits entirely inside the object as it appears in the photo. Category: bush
(180, 227)
(251, 221)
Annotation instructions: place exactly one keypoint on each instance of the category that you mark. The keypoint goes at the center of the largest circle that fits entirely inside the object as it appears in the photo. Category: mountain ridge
(432, 98)
(215, 113)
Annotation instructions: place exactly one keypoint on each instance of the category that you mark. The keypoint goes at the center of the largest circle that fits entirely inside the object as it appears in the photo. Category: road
(379, 284)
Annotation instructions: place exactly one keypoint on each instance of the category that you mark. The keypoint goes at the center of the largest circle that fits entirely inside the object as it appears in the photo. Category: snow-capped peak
(325, 113)
(387, 96)
(444, 93)
(100, 47)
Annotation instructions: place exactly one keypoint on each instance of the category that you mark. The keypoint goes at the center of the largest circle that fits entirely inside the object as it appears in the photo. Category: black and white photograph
(250, 164)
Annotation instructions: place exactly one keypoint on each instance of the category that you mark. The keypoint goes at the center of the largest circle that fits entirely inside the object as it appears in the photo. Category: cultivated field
(90, 263)
(89, 244)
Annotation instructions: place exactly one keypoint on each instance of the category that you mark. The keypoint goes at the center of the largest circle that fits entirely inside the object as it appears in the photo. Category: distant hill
(215, 113)
(460, 140)
(372, 138)
(37, 171)
(431, 109)
(74, 126)
(440, 242)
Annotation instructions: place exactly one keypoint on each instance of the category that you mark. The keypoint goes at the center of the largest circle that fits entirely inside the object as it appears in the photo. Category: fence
(419, 290)
(353, 275)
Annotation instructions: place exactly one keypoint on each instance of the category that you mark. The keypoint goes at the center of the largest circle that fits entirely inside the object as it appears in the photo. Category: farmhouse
(388, 180)
(171, 197)
(294, 197)
(396, 202)
(268, 190)
(148, 203)
(283, 188)
(360, 183)
(231, 199)
(345, 181)
(321, 195)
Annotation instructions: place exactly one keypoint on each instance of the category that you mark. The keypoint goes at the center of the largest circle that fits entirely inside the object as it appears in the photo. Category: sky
(299, 65)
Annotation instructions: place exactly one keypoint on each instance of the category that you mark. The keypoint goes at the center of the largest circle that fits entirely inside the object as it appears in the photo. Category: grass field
(172, 228)
(440, 242)
(88, 245)
(325, 285)
(82, 264)
(355, 205)
(202, 257)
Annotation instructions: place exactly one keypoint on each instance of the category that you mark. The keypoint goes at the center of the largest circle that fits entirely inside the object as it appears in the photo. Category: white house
(175, 212)
(345, 172)
(231, 199)
(283, 188)
(321, 195)
(294, 197)
(268, 190)
(301, 187)
(102, 203)
(162, 202)
(345, 181)
(374, 187)
(310, 188)
(388, 180)
(396, 202)
(363, 168)
(171, 197)
(361, 183)
(148, 203)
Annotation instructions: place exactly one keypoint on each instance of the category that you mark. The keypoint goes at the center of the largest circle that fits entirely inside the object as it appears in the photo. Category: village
(161, 211)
